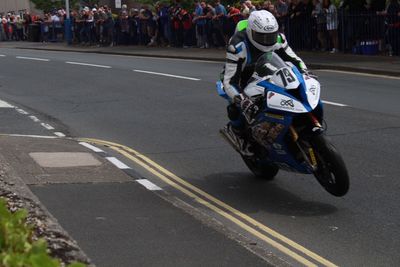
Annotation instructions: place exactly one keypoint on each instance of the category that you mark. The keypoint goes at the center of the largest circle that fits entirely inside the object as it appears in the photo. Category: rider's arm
(287, 54)
(235, 58)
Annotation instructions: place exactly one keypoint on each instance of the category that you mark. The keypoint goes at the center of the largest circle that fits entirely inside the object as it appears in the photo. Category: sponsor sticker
(288, 102)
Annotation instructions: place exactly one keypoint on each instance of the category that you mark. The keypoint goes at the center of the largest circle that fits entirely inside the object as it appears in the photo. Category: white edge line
(167, 75)
(91, 147)
(118, 163)
(149, 185)
(334, 104)
(34, 58)
(89, 65)
(59, 134)
(360, 74)
(47, 126)
(32, 136)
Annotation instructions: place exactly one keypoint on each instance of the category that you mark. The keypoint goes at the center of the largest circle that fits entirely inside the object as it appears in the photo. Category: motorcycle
(288, 130)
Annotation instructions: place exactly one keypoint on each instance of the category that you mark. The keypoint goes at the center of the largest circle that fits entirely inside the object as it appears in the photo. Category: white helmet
(262, 30)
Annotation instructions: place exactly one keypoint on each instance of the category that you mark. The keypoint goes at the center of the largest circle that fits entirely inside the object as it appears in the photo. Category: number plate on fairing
(285, 78)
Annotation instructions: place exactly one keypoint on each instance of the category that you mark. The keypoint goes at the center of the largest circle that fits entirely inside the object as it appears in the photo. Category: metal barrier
(363, 33)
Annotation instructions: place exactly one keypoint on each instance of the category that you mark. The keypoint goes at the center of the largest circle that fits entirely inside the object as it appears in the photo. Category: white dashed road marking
(4, 104)
(34, 58)
(34, 118)
(91, 147)
(59, 134)
(20, 110)
(30, 136)
(89, 65)
(334, 104)
(167, 75)
(149, 185)
(118, 163)
(47, 126)
(2, 55)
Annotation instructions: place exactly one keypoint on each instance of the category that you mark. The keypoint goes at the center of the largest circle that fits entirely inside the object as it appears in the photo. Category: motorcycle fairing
(278, 152)
(279, 98)
(221, 91)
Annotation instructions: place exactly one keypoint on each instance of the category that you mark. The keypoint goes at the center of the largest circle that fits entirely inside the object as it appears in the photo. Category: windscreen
(268, 64)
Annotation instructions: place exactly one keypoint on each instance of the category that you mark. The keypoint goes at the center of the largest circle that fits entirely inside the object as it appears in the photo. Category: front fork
(308, 156)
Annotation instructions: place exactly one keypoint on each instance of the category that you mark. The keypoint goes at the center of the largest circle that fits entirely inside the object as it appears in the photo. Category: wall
(17, 6)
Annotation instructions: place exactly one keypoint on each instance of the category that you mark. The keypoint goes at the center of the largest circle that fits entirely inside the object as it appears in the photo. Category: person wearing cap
(253, 38)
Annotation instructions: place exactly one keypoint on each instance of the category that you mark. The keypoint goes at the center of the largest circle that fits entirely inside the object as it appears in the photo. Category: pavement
(383, 65)
(70, 179)
(210, 211)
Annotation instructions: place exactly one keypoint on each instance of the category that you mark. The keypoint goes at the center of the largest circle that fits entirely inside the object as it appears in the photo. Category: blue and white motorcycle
(287, 131)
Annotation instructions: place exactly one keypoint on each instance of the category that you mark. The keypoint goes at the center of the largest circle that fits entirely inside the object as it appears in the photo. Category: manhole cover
(64, 159)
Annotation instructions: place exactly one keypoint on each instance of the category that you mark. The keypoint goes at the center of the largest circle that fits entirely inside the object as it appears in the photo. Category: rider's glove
(309, 74)
(248, 107)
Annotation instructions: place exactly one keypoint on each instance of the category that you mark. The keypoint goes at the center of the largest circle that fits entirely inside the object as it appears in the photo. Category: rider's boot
(236, 136)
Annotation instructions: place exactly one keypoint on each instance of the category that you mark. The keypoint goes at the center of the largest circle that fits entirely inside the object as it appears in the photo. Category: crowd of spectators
(308, 24)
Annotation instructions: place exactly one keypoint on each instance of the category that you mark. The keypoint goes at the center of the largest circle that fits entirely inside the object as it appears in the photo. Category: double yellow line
(273, 238)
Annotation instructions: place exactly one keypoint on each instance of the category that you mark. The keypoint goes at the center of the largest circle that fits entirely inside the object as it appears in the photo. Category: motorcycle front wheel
(331, 171)
(261, 170)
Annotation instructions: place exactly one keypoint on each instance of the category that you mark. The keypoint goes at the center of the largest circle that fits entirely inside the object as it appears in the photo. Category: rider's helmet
(262, 30)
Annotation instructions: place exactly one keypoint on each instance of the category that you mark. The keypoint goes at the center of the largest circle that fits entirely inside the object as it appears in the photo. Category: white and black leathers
(242, 56)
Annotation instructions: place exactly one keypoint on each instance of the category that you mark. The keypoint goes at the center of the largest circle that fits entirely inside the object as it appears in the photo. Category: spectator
(134, 26)
(281, 14)
(19, 28)
(266, 5)
(109, 26)
(320, 18)
(332, 24)
(244, 11)
(296, 21)
(232, 19)
(308, 26)
(392, 14)
(2, 32)
(218, 23)
(163, 22)
(200, 24)
(177, 27)
(124, 27)
(27, 21)
(186, 20)
(250, 6)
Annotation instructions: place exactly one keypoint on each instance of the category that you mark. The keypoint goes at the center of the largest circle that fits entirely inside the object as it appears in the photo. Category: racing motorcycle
(288, 131)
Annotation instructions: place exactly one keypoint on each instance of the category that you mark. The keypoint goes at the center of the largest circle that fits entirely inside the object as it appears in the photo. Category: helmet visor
(266, 39)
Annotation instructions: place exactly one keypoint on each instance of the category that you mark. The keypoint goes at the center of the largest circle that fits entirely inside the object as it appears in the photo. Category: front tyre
(261, 170)
(331, 171)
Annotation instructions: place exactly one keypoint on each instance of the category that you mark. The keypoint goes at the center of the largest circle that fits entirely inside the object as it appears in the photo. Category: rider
(253, 38)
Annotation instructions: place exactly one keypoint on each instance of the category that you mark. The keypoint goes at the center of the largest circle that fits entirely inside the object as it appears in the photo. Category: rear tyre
(261, 170)
(331, 172)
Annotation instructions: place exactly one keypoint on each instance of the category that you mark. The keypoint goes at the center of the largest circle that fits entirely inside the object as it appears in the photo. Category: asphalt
(115, 220)
(378, 64)
(175, 122)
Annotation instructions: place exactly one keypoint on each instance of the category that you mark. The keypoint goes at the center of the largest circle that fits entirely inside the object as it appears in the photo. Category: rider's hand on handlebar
(310, 74)
(248, 107)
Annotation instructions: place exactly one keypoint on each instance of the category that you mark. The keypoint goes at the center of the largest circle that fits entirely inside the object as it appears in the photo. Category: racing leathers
(241, 59)
(242, 56)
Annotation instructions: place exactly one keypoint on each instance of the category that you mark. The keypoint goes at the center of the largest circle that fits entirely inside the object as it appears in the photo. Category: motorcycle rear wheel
(331, 172)
(261, 170)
